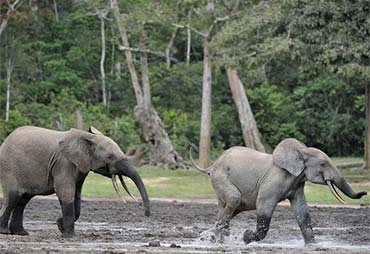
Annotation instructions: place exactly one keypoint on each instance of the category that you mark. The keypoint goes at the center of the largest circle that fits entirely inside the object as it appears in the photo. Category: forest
(160, 75)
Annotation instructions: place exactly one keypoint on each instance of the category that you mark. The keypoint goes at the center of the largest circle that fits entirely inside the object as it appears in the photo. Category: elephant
(38, 161)
(245, 179)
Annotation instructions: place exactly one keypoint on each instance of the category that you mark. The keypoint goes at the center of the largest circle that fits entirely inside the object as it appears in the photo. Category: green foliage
(273, 110)
(326, 115)
(16, 119)
(304, 64)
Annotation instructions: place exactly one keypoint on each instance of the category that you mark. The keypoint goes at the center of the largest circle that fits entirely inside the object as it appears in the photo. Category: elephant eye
(323, 164)
(110, 157)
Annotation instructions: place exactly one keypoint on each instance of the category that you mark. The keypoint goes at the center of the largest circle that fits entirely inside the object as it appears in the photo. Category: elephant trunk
(124, 168)
(341, 183)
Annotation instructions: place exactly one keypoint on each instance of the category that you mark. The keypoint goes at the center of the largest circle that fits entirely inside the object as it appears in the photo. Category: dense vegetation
(296, 92)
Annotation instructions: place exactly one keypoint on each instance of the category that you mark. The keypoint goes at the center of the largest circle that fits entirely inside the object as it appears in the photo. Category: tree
(9, 70)
(7, 12)
(210, 14)
(148, 118)
(249, 128)
(337, 32)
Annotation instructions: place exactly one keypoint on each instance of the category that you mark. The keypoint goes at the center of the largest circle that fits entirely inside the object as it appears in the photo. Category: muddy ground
(108, 226)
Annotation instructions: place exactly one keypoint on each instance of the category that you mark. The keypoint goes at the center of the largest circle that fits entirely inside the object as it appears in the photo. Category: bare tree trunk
(9, 71)
(102, 58)
(251, 135)
(11, 9)
(55, 7)
(3, 25)
(145, 72)
(79, 119)
(205, 128)
(152, 125)
(367, 130)
(188, 41)
(128, 54)
(169, 46)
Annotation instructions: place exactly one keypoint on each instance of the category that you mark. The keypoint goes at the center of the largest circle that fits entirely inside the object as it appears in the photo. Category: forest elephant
(245, 179)
(38, 161)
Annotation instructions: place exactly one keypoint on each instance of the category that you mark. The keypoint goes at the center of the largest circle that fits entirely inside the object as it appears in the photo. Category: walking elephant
(38, 161)
(245, 179)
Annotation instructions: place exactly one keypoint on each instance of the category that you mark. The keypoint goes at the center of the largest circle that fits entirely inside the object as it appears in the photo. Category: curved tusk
(114, 181)
(334, 192)
(125, 187)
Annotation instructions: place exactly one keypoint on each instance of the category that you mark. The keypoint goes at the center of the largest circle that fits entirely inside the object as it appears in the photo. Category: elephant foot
(19, 231)
(309, 241)
(69, 234)
(249, 237)
(60, 225)
(214, 235)
(4, 231)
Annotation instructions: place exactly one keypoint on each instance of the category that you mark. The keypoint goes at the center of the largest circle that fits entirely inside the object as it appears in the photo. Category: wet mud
(108, 226)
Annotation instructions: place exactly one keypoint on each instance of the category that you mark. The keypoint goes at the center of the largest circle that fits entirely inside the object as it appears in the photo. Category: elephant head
(94, 151)
(293, 156)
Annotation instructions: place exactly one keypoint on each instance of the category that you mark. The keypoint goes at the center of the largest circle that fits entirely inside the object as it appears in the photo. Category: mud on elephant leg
(264, 214)
(263, 224)
(300, 208)
(16, 222)
(226, 213)
(66, 224)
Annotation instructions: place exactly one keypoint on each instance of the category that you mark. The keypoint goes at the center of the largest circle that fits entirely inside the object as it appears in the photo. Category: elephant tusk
(114, 181)
(125, 187)
(334, 192)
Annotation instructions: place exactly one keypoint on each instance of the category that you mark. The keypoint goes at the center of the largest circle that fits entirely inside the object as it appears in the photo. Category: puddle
(292, 244)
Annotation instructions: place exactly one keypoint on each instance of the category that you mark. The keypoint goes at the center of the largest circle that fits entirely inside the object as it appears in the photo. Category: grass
(347, 159)
(192, 185)
(158, 182)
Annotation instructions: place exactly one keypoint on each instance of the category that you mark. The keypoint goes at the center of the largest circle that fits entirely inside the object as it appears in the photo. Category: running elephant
(38, 161)
(245, 179)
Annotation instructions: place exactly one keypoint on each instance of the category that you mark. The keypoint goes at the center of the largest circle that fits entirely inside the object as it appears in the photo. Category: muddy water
(113, 227)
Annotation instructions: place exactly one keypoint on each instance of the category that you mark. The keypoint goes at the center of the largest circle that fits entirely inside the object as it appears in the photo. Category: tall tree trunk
(79, 119)
(205, 128)
(9, 70)
(102, 58)
(169, 46)
(367, 130)
(145, 72)
(152, 125)
(128, 54)
(11, 10)
(55, 7)
(188, 41)
(251, 135)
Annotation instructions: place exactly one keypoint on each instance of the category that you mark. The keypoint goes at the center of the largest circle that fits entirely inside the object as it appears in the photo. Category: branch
(157, 53)
(217, 20)
(191, 28)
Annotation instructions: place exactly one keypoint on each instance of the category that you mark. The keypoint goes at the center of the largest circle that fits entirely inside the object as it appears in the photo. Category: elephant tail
(203, 170)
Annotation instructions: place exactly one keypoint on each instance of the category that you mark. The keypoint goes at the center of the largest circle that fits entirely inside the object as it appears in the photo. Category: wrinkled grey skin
(245, 179)
(37, 161)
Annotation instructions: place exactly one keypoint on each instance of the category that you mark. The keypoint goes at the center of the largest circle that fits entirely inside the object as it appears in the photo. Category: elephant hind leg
(231, 201)
(10, 201)
(16, 222)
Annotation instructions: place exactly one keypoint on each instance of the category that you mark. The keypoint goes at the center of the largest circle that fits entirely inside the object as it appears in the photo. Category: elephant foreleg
(66, 224)
(78, 203)
(300, 208)
(16, 223)
(10, 202)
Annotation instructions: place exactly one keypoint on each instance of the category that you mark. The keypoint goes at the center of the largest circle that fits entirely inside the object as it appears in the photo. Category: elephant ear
(288, 155)
(77, 146)
(94, 130)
